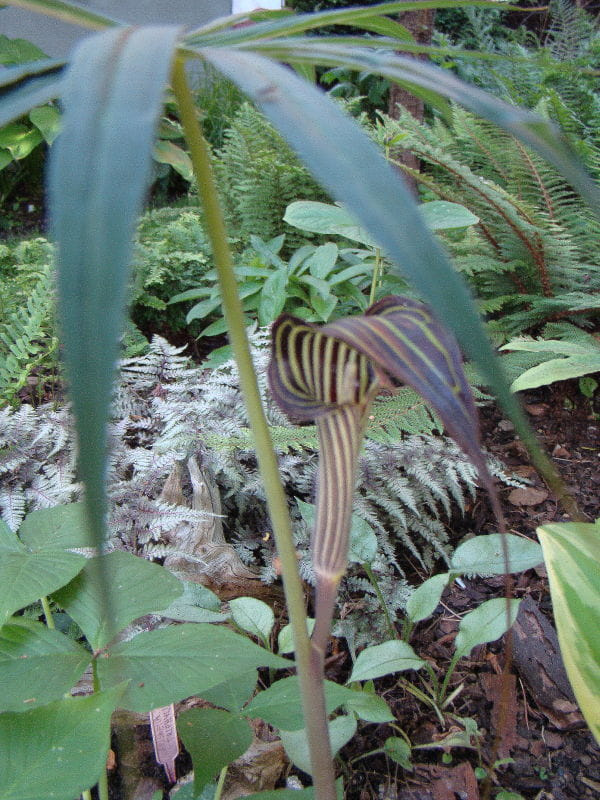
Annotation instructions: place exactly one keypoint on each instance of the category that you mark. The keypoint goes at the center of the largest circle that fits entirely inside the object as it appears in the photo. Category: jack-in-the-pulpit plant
(329, 375)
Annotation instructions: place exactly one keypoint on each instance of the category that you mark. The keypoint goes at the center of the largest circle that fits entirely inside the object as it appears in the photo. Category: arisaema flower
(329, 375)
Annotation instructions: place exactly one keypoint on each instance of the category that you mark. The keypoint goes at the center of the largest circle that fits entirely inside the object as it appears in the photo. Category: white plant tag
(164, 738)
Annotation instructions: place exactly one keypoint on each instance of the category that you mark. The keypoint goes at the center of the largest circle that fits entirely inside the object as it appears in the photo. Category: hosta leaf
(253, 615)
(426, 597)
(37, 665)
(572, 557)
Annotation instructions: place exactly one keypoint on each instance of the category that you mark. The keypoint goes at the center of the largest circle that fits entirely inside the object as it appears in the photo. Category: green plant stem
(103, 779)
(317, 729)
(374, 583)
(376, 275)
(221, 782)
(47, 612)
(86, 795)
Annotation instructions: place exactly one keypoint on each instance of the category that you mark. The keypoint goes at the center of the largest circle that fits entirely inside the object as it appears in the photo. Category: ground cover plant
(95, 248)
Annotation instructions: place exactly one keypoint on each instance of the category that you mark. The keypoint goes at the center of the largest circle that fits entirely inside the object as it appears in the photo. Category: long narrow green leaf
(99, 170)
(27, 86)
(300, 23)
(533, 130)
(67, 12)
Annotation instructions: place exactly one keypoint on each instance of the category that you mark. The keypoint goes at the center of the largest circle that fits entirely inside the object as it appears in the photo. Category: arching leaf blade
(27, 86)
(99, 170)
(67, 12)
(298, 23)
(332, 146)
(538, 133)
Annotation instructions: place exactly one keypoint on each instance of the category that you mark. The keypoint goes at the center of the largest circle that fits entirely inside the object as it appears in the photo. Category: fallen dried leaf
(536, 409)
(527, 497)
(561, 452)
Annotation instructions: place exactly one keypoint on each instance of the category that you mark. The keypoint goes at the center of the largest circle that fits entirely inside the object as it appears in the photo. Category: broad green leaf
(56, 751)
(557, 369)
(426, 597)
(139, 587)
(27, 86)
(99, 170)
(486, 623)
(167, 665)
(572, 558)
(281, 704)
(27, 576)
(285, 639)
(9, 541)
(323, 260)
(169, 153)
(195, 604)
(51, 528)
(18, 51)
(37, 664)
(272, 297)
(369, 706)
(324, 218)
(341, 730)
(484, 555)
(233, 694)
(19, 140)
(214, 739)
(253, 616)
(384, 659)
(399, 751)
(440, 215)
(47, 120)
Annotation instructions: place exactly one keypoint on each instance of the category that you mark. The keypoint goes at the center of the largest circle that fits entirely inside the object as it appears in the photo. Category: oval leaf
(384, 659)
(253, 616)
(486, 623)
(484, 555)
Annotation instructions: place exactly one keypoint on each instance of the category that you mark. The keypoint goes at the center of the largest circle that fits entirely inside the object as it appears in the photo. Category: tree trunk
(420, 24)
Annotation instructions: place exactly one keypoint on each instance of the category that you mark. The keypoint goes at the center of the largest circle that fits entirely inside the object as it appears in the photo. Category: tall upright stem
(315, 721)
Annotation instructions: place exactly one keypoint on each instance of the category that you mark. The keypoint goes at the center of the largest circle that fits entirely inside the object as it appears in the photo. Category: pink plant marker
(164, 738)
